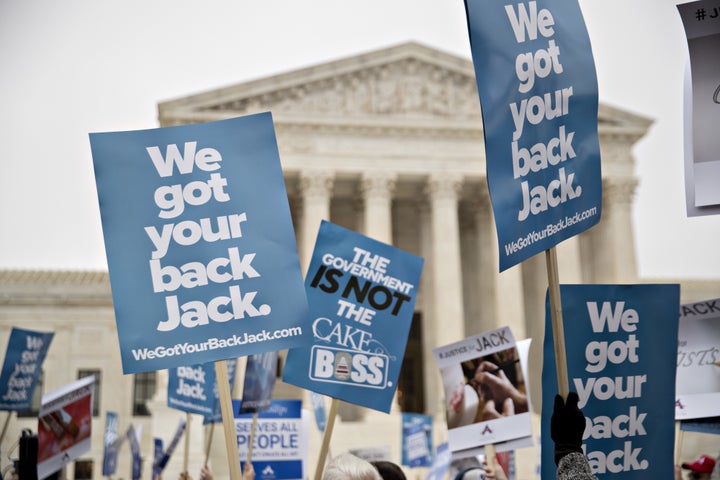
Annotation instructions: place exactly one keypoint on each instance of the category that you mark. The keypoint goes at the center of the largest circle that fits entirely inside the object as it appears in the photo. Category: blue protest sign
(24, 356)
(161, 462)
(538, 90)
(318, 403)
(190, 389)
(111, 444)
(621, 343)
(280, 442)
(157, 457)
(133, 437)
(441, 463)
(200, 244)
(361, 294)
(416, 440)
(260, 373)
(216, 416)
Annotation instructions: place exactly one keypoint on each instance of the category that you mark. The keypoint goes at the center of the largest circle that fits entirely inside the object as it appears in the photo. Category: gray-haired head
(349, 467)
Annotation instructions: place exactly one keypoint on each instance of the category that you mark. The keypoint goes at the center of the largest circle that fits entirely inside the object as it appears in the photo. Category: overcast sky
(72, 67)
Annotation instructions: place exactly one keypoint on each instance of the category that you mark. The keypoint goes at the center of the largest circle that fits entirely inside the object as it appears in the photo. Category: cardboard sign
(362, 295)
(697, 383)
(536, 80)
(486, 396)
(441, 463)
(281, 440)
(200, 245)
(416, 440)
(64, 425)
(701, 20)
(190, 389)
(621, 344)
(111, 445)
(260, 374)
(24, 357)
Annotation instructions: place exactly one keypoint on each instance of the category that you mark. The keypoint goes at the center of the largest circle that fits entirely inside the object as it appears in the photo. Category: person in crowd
(699, 469)
(389, 470)
(486, 472)
(567, 425)
(205, 474)
(349, 467)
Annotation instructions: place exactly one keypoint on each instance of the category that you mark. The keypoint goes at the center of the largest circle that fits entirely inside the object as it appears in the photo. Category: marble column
(443, 191)
(608, 249)
(488, 261)
(377, 193)
(316, 190)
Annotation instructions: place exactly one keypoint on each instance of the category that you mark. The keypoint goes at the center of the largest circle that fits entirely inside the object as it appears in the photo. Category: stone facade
(388, 143)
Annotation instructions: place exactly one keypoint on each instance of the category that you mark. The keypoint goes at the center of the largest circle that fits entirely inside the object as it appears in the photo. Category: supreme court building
(387, 143)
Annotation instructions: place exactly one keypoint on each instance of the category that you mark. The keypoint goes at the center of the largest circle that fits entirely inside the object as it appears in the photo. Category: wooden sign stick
(678, 442)
(252, 437)
(188, 419)
(5, 425)
(209, 443)
(490, 456)
(326, 438)
(231, 445)
(557, 322)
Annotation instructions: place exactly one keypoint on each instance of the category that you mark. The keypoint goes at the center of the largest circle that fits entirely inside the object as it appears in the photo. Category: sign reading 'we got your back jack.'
(536, 80)
(200, 245)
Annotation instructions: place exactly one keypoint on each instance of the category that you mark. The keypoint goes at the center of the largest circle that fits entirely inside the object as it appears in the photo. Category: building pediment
(410, 82)
(405, 81)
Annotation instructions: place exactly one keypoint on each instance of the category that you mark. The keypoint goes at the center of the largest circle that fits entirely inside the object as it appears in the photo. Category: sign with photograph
(702, 107)
(200, 245)
(486, 396)
(64, 425)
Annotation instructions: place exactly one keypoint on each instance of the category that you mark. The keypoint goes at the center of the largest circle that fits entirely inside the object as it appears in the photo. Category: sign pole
(209, 442)
(490, 456)
(231, 445)
(188, 419)
(252, 437)
(326, 438)
(5, 425)
(557, 322)
(678, 442)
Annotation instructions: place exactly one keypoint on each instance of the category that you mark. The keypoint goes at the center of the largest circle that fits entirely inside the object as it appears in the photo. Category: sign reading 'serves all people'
(200, 246)
(537, 85)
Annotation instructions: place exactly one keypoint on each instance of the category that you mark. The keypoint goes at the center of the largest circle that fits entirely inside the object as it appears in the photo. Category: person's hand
(205, 473)
(185, 476)
(249, 472)
(493, 471)
(567, 425)
(678, 472)
(489, 411)
(494, 379)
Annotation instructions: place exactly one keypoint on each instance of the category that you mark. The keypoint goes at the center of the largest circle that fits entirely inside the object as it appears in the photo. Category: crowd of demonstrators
(567, 425)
